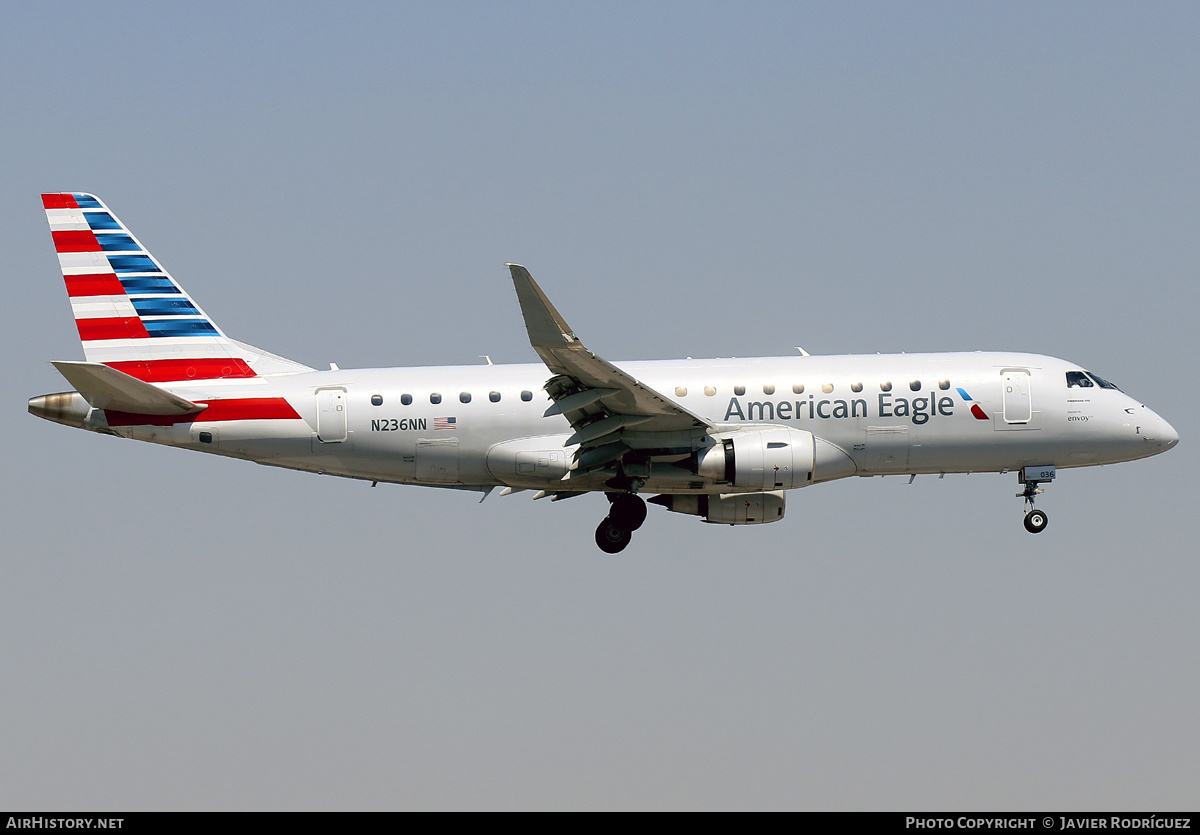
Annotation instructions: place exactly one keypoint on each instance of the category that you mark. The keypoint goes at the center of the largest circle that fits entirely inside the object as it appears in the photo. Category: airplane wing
(611, 412)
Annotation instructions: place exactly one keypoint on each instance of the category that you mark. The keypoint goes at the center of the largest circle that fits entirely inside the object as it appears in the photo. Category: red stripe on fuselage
(59, 201)
(94, 284)
(75, 240)
(253, 408)
(119, 327)
(165, 371)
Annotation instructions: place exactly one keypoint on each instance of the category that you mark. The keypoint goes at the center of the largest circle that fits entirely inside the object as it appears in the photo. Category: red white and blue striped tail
(131, 314)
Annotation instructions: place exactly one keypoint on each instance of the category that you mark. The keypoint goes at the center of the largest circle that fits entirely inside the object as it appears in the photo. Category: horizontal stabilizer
(107, 388)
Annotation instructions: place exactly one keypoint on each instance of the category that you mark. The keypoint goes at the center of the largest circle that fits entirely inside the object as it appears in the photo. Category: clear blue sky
(344, 183)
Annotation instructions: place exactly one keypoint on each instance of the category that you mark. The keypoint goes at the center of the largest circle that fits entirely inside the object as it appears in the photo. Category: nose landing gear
(1035, 521)
(625, 516)
(1031, 477)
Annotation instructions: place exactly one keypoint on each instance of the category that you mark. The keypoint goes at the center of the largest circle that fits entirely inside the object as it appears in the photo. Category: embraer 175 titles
(721, 439)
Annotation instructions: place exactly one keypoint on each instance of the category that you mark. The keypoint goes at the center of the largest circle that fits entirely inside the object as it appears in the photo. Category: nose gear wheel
(1035, 520)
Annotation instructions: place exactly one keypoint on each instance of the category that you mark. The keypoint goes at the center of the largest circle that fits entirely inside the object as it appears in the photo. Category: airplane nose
(1167, 434)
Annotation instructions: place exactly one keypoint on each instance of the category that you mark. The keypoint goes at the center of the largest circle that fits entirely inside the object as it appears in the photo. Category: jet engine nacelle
(772, 458)
(727, 508)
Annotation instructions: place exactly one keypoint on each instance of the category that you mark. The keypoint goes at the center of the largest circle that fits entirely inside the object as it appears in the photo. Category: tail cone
(66, 407)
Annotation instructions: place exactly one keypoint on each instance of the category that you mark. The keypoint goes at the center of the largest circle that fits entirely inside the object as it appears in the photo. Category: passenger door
(1018, 401)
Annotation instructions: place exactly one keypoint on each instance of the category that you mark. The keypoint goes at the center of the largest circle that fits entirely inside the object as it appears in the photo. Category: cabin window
(798, 388)
(494, 396)
(435, 399)
(406, 399)
(739, 390)
(465, 397)
(376, 399)
(527, 396)
(915, 385)
(944, 385)
(885, 386)
(206, 437)
(680, 391)
(827, 387)
(709, 391)
(768, 389)
(856, 387)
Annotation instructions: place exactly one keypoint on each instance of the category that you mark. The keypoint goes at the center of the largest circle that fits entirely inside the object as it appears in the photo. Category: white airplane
(723, 439)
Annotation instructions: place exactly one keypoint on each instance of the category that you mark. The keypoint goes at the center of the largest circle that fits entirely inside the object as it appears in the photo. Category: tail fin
(131, 315)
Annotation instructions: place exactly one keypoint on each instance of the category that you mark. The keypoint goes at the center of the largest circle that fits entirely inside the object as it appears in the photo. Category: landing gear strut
(1031, 477)
(625, 516)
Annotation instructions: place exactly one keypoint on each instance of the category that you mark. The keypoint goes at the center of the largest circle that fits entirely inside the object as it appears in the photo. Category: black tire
(1035, 521)
(611, 537)
(628, 511)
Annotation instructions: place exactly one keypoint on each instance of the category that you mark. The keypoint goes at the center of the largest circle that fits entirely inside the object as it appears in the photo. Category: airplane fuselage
(890, 414)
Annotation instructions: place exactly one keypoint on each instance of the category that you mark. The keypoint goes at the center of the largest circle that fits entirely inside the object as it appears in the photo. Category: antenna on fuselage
(803, 352)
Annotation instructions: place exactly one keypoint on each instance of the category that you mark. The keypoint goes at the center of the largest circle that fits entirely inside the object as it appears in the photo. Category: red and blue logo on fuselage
(975, 409)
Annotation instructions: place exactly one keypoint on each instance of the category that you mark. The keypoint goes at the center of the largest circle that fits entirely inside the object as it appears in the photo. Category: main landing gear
(1031, 477)
(625, 515)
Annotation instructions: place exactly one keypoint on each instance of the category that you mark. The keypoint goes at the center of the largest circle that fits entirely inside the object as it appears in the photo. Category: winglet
(545, 325)
(107, 388)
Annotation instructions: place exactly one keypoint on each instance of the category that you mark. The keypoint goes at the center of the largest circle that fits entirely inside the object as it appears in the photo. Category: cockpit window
(1103, 383)
(1077, 379)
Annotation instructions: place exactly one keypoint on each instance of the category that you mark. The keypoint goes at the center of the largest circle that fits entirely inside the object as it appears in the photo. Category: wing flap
(577, 400)
(604, 427)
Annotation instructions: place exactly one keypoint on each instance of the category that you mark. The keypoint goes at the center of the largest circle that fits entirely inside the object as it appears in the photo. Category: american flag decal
(444, 423)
